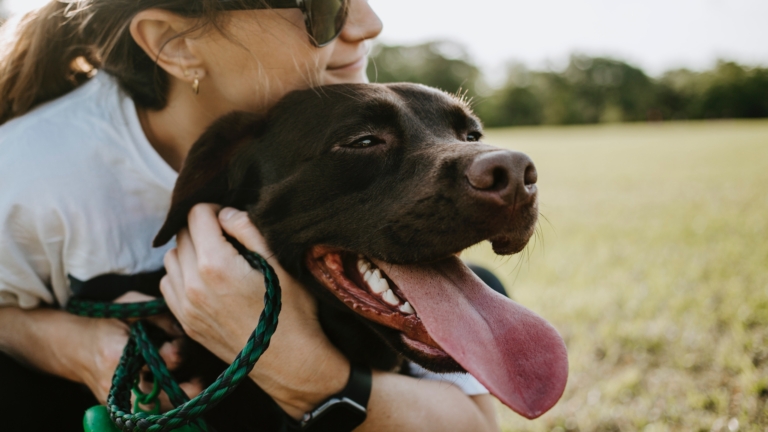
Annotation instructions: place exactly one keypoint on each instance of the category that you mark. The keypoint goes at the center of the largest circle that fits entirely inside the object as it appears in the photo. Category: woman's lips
(355, 65)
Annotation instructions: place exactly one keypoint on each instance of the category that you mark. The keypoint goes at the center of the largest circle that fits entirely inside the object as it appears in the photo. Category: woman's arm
(400, 403)
(83, 350)
(216, 297)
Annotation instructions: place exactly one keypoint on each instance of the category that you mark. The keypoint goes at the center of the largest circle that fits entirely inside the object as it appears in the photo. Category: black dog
(366, 193)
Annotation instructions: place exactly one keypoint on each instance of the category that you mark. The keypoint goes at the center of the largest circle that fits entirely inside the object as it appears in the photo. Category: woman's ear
(161, 34)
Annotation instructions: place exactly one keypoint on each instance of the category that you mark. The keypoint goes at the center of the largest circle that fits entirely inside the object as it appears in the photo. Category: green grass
(652, 262)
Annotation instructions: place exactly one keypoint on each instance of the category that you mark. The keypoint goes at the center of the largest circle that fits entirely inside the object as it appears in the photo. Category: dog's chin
(516, 238)
(508, 244)
(429, 357)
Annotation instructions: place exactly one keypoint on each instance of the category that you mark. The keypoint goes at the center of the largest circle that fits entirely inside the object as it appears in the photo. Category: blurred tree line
(588, 90)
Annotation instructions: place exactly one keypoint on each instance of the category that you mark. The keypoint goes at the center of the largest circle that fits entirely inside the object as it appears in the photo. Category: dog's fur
(306, 179)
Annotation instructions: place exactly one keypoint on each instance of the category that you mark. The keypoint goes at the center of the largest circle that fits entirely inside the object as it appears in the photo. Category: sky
(655, 35)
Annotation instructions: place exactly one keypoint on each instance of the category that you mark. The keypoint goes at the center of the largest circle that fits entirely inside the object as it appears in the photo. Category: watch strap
(342, 410)
(359, 385)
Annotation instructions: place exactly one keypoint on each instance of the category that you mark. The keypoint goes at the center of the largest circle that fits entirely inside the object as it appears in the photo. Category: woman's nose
(362, 23)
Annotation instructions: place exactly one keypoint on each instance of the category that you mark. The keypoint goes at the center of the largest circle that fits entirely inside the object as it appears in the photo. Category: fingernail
(227, 213)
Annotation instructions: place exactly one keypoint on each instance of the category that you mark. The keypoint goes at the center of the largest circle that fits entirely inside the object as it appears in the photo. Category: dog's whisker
(548, 222)
(540, 238)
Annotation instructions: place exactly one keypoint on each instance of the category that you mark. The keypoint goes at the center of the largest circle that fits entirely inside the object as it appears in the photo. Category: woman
(87, 165)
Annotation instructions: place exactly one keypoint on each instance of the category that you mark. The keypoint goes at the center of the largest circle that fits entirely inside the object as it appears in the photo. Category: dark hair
(56, 48)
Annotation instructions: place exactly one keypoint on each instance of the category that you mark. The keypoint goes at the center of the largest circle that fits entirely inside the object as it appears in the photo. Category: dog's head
(367, 193)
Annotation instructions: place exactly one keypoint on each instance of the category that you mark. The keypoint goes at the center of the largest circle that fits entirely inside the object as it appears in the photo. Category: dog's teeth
(407, 309)
(391, 298)
(378, 286)
(363, 266)
(367, 275)
(375, 275)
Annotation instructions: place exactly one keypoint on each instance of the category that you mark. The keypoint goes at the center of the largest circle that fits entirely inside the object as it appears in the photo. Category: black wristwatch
(344, 411)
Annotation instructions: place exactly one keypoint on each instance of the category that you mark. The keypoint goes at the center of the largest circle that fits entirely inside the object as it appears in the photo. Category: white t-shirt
(466, 382)
(82, 195)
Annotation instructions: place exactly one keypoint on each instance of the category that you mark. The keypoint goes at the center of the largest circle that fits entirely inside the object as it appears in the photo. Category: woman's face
(264, 54)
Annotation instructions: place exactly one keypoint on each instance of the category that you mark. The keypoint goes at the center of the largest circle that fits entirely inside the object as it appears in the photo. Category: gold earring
(196, 85)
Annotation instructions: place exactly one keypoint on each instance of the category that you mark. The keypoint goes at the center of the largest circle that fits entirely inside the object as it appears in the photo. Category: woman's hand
(218, 298)
(100, 350)
(101, 358)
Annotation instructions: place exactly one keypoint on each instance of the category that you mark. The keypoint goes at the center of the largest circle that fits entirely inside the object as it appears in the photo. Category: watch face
(339, 416)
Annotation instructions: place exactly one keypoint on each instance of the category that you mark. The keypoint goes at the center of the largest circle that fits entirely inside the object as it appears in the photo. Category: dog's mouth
(369, 291)
(446, 316)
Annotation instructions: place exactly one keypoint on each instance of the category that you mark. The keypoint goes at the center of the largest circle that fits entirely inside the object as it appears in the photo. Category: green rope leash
(140, 351)
(116, 310)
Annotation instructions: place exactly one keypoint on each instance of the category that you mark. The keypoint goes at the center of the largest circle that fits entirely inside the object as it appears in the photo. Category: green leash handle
(97, 420)
(140, 351)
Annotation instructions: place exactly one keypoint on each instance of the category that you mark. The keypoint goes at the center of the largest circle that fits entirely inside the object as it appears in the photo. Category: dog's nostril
(491, 172)
(531, 175)
(500, 179)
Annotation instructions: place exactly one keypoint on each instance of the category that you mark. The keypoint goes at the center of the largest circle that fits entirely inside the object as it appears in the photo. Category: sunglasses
(324, 19)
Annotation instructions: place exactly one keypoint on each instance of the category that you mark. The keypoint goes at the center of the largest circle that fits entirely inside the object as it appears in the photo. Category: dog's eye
(474, 136)
(365, 142)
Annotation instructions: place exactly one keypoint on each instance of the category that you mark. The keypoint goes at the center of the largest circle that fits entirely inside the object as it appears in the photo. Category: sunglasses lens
(327, 17)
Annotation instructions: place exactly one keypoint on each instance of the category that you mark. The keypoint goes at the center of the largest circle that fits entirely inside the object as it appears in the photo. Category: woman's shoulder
(78, 135)
(65, 119)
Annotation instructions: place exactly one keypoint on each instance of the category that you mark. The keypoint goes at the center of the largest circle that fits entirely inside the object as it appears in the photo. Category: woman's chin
(345, 76)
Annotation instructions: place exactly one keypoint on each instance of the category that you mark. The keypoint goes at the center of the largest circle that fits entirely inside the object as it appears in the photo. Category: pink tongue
(516, 354)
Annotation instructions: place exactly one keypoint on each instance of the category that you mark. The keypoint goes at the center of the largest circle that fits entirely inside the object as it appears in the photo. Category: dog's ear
(204, 176)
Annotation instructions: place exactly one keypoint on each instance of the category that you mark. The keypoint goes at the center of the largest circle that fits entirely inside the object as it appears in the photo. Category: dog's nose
(505, 175)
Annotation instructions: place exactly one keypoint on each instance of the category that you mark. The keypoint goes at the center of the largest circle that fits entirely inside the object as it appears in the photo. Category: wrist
(298, 383)
(9, 323)
(74, 347)
(346, 410)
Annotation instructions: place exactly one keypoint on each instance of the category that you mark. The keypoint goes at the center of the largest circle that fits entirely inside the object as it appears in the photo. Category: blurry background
(652, 254)
(589, 61)
(561, 62)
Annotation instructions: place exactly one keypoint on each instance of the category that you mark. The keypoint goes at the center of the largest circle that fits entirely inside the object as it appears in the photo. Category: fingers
(192, 388)
(146, 384)
(237, 224)
(168, 324)
(171, 285)
(134, 297)
(171, 354)
(190, 265)
(204, 236)
(204, 251)
(205, 233)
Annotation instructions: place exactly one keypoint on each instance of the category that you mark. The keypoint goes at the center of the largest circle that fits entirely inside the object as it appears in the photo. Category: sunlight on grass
(652, 262)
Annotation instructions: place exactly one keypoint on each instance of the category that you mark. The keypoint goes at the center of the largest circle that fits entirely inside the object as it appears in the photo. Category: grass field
(653, 264)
